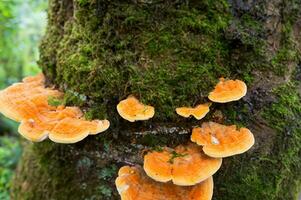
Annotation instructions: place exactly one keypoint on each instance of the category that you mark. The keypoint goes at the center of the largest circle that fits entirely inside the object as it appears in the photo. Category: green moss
(251, 31)
(73, 98)
(285, 117)
(108, 172)
(103, 64)
(172, 63)
(109, 51)
(82, 2)
(105, 191)
(287, 54)
(53, 101)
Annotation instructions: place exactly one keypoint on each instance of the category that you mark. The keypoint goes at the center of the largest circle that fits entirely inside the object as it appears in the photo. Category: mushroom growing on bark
(27, 102)
(17, 100)
(71, 130)
(38, 127)
(133, 184)
(220, 141)
(184, 165)
(228, 90)
(198, 112)
(132, 110)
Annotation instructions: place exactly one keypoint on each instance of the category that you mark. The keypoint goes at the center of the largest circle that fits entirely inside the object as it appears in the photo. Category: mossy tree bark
(169, 54)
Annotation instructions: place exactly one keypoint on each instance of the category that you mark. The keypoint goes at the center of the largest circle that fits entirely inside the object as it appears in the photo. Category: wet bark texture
(169, 54)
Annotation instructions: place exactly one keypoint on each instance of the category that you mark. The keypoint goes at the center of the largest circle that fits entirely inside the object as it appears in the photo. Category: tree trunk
(169, 54)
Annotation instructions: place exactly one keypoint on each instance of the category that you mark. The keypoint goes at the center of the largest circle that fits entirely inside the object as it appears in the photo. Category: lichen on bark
(170, 54)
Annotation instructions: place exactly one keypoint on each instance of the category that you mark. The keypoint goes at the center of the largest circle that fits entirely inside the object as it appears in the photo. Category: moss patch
(167, 54)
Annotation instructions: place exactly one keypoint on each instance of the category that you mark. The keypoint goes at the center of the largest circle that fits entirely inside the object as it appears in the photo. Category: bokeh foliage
(22, 23)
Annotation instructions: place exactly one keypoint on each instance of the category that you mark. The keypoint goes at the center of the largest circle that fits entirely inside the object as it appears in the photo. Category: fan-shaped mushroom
(198, 112)
(228, 90)
(37, 127)
(185, 165)
(71, 130)
(133, 184)
(222, 141)
(17, 100)
(132, 110)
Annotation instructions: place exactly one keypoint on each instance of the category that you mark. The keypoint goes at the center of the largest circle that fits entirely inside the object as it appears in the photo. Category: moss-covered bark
(170, 53)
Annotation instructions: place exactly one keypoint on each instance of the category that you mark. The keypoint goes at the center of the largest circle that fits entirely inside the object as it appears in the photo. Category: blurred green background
(22, 24)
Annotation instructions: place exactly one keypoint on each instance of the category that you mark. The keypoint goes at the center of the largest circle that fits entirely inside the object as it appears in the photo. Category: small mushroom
(221, 141)
(133, 184)
(185, 165)
(198, 112)
(228, 90)
(132, 110)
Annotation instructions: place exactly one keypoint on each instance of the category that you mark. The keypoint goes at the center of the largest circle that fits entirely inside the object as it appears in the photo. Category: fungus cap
(27, 102)
(198, 112)
(133, 184)
(132, 110)
(72, 130)
(222, 141)
(15, 98)
(38, 127)
(228, 90)
(185, 165)
(18, 110)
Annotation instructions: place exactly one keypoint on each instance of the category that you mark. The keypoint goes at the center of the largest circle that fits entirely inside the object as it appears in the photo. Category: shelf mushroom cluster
(186, 171)
(27, 103)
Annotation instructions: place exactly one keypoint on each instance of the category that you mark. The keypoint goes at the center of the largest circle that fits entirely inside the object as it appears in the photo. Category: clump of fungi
(183, 173)
(27, 103)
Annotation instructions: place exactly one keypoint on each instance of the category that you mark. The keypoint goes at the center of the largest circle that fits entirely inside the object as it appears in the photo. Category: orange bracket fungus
(228, 90)
(220, 141)
(18, 100)
(132, 110)
(70, 130)
(40, 125)
(61, 126)
(133, 184)
(185, 165)
(198, 112)
(27, 102)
